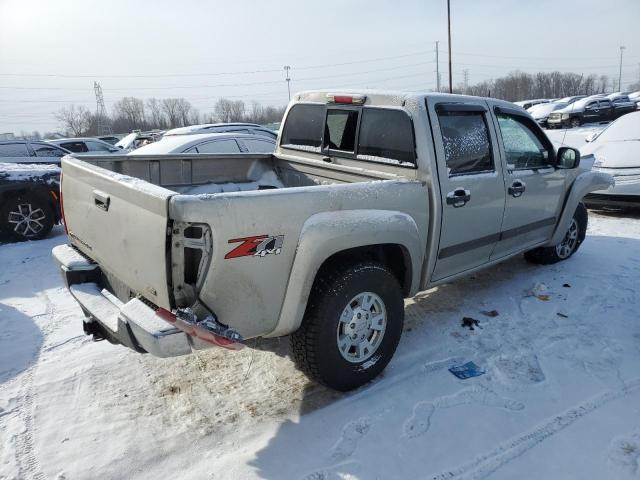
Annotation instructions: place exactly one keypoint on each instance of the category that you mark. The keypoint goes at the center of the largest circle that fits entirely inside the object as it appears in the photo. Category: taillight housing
(346, 99)
(64, 222)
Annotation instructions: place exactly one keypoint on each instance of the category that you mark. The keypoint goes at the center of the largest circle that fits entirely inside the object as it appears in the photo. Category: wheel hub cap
(568, 244)
(27, 220)
(361, 327)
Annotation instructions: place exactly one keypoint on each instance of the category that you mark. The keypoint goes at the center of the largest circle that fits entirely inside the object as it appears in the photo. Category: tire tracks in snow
(486, 464)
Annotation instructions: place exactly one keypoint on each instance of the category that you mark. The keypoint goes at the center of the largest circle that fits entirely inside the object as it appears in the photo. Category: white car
(616, 150)
(208, 143)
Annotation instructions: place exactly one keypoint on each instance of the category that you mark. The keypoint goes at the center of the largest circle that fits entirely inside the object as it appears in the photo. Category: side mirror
(591, 137)
(568, 158)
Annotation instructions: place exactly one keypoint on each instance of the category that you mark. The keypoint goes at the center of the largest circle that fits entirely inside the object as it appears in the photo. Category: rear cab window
(372, 134)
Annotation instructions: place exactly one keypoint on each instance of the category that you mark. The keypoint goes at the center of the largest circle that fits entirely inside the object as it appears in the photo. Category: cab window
(523, 147)
(340, 129)
(304, 127)
(466, 142)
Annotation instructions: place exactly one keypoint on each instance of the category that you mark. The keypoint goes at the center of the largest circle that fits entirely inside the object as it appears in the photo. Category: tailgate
(121, 223)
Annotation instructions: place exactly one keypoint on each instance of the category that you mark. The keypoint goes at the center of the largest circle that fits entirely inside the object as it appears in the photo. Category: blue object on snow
(467, 370)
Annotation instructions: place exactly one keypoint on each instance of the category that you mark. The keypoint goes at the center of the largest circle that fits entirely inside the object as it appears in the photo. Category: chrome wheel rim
(361, 327)
(566, 247)
(27, 220)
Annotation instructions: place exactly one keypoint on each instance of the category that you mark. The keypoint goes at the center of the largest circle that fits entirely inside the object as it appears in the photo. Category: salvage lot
(561, 396)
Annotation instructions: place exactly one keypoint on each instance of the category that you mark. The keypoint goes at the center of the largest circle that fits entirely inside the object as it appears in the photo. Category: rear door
(471, 185)
(121, 223)
(534, 187)
(591, 112)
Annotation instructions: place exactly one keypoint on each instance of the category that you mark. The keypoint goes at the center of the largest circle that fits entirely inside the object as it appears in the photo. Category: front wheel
(351, 327)
(572, 240)
(575, 122)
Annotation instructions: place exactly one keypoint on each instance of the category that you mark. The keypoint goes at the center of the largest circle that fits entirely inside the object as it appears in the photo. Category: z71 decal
(257, 246)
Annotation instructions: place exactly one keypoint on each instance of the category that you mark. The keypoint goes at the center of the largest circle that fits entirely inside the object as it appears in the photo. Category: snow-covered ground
(560, 398)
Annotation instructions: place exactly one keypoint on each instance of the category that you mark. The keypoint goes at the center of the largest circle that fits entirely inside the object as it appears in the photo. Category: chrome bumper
(133, 324)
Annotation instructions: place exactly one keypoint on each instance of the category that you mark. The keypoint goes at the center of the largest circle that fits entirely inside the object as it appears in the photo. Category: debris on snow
(490, 313)
(468, 370)
(470, 323)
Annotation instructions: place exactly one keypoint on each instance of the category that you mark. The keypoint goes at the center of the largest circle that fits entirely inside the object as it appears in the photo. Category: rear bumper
(133, 324)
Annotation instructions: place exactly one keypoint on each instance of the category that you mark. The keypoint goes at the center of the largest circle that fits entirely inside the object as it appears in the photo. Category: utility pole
(622, 47)
(437, 67)
(286, 69)
(101, 112)
(449, 27)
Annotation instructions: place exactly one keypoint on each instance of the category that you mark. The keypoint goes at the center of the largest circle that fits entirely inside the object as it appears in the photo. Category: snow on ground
(560, 399)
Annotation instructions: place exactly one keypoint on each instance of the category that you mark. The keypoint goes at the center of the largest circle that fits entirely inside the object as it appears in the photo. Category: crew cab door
(471, 186)
(534, 187)
(591, 112)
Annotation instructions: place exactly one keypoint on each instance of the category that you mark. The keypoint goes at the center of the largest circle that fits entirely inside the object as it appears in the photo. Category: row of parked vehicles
(580, 109)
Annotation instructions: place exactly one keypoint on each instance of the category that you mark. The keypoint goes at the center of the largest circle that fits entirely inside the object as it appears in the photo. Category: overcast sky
(52, 51)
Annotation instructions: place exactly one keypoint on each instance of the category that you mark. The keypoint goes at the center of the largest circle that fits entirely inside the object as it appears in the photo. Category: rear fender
(326, 234)
(584, 183)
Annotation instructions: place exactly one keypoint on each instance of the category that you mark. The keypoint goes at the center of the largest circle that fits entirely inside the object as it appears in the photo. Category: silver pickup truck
(369, 198)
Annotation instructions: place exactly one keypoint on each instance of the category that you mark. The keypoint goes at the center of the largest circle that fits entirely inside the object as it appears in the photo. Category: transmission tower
(466, 79)
(101, 112)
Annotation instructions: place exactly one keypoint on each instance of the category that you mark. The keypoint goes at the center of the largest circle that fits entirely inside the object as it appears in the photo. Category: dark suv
(29, 189)
(622, 104)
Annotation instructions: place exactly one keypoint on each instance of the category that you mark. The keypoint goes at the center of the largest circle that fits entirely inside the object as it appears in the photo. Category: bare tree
(171, 108)
(75, 120)
(155, 117)
(131, 110)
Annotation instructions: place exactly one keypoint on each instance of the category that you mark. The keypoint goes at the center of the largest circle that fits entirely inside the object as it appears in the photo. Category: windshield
(625, 128)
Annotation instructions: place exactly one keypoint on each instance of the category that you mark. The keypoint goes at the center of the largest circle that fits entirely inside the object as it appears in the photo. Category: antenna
(101, 112)
(437, 67)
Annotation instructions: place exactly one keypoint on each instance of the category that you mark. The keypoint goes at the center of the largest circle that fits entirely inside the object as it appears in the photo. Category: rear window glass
(386, 134)
(340, 132)
(258, 146)
(14, 150)
(466, 142)
(303, 128)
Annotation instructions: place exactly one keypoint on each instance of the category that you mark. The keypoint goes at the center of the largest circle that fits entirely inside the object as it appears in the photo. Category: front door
(471, 186)
(534, 187)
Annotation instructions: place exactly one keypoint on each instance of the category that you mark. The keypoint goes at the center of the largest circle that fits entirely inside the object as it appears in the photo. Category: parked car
(29, 189)
(527, 104)
(137, 139)
(622, 104)
(209, 143)
(588, 110)
(249, 128)
(368, 199)
(541, 111)
(616, 151)
(82, 146)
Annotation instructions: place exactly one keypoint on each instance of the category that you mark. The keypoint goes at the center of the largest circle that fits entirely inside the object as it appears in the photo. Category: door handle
(458, 198)
(517, 188)
(101, 200)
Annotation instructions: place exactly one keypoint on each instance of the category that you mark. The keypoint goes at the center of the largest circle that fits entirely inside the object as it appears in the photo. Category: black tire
(575, 122)
(26, 217)
(554, 254)
(315, 344)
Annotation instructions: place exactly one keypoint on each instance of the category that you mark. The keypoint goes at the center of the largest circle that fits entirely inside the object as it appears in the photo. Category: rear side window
(98, 147)
(14, 150)
(258, 145)
(77, 147)
(386, 134)
(219, 146)
(47, 150)
(466, 142)
(303, 128)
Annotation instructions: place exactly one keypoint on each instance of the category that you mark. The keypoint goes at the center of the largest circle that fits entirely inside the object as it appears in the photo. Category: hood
(622, 154)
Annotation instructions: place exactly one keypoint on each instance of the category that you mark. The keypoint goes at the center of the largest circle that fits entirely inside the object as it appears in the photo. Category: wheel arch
(335, 238)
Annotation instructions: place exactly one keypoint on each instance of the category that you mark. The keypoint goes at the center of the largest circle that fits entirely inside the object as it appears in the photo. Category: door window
(466, 142)
(219, 146)
(14, 150)
(523, 147)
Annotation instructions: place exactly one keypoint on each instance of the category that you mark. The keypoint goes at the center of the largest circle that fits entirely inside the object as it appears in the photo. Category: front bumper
(133, 324)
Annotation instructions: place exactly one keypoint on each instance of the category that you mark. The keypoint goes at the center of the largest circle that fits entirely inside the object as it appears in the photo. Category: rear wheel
(26, 217)
(351, 327)
(572, 240)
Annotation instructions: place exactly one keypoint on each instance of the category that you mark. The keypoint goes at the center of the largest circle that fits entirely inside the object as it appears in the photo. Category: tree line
(131, 113)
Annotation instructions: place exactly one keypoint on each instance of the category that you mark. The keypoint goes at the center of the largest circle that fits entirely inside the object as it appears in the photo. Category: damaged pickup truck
(369, 198)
